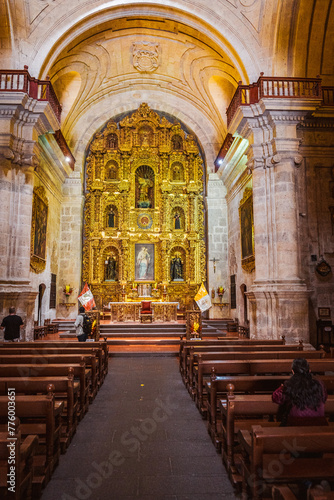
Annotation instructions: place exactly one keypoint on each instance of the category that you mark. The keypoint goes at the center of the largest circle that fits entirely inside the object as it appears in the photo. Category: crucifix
(214, 260)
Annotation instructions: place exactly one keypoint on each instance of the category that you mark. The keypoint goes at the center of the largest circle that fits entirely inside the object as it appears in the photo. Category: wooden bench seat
(189, 351)
(240, 355)
(60, 351)
(65, 389)
(217, 388)
(62, 344)
(248, 367)
(279, 454)
(90, 361)
(81, 373)
(24, 450)
(39, 415)
(243, 411)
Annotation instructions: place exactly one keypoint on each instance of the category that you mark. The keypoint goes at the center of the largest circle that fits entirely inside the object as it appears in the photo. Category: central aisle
(142, 438)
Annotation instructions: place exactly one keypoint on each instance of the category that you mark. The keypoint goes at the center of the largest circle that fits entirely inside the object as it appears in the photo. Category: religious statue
(144, 185)
(143, 262)
(111, 218)
(176, 271)
(111, 268)
(177, 224)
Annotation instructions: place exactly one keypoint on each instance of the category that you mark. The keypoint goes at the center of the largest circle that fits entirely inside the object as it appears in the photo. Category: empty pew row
(225, 342)
(81, 373)
(241, 355)
(16, 463)
(294, 455)
(248, 367)
(64, 388)
(41, 416)
(64, 346)
(90, 361)
(189, 351)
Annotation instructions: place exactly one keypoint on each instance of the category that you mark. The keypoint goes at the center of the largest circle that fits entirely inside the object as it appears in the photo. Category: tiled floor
(142, 438)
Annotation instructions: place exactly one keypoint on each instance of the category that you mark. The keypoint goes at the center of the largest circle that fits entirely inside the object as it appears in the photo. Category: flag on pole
(202, 299)
(86, 298)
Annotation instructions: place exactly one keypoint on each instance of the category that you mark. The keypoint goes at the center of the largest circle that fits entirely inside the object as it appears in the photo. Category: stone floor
(142, 438)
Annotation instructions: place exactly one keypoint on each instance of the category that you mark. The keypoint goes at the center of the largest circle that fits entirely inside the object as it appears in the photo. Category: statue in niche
(177, 221)
(112, 172)
(176, 268)
(110, 268)
(111, 218)
(112, 141)
(144, 185)
(177, 173)
(176, 142)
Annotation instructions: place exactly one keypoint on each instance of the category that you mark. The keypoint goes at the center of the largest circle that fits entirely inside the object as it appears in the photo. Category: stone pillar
(217, 244)
(278, 297)
(71, 245)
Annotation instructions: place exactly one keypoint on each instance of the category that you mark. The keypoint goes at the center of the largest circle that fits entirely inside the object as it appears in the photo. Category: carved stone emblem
(145, 56)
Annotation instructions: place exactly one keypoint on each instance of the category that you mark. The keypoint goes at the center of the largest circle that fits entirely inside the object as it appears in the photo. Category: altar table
(162, 312)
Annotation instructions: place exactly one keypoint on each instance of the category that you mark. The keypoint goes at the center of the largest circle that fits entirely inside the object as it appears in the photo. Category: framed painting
(324, 312)
(38, 230)
(144, 262)
(247, 231)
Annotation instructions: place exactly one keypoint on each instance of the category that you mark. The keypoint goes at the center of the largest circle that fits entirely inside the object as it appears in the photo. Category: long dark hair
(302, 390)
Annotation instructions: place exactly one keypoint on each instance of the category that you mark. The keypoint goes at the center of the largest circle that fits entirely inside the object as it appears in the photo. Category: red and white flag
(86, 298)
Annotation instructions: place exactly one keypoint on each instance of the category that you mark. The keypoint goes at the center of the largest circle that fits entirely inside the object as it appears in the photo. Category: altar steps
(129, 338)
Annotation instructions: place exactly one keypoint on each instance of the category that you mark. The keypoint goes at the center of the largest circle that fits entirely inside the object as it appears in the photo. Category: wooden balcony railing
(277, 88)
(21, 81)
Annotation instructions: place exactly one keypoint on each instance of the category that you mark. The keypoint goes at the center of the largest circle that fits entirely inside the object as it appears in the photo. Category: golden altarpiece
(144, 213)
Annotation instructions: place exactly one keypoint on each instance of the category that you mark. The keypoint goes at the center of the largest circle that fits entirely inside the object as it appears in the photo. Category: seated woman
(302, 397)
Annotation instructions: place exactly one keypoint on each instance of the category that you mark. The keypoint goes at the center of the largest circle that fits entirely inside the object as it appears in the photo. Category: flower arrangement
(195, 327)
(220, 291)
(68, 290)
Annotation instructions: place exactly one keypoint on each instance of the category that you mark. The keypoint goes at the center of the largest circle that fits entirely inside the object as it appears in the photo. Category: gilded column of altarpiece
(144, 218)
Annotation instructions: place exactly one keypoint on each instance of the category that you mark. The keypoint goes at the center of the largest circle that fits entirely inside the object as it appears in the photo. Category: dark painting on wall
(41, 216)
(247, 231)
(38, 230)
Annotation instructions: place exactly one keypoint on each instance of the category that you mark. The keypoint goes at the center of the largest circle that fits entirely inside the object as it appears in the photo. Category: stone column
(278, 297)
(217, 244)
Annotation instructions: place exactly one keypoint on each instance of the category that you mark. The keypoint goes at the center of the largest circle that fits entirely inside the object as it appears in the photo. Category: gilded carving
(144, 190)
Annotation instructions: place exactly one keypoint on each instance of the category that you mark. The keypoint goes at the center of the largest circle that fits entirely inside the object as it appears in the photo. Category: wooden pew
(218, 388)
(63, 344)
(228, 342)
(23, 450)
(81, 373)
(243, 411)
(39, 415)
(90, 361)
(282, 493)
(189, 351)
(217, 356)
(272, 455)
(59, 351)
(65, 389)
(249, 367)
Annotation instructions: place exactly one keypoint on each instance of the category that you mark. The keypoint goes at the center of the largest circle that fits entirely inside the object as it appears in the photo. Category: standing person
(12, 325)
(302, 397)
(82, 337)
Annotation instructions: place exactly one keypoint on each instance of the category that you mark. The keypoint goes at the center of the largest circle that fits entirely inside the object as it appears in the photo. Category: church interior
(149, 148)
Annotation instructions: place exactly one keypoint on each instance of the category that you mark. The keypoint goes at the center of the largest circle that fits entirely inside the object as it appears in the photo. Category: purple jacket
(307, 416)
